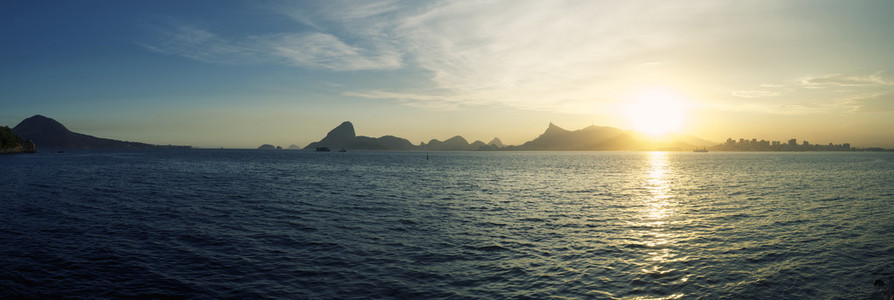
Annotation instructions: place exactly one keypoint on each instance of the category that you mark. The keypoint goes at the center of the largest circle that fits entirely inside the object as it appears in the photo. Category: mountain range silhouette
(48, 133)
(554, 138)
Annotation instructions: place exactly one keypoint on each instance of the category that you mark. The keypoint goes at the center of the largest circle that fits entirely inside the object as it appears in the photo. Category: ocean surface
(290, 224)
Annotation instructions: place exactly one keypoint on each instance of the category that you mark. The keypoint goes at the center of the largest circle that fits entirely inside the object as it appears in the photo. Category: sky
(238, 74)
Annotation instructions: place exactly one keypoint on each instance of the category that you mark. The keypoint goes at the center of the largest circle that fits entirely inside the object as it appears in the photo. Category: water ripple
(249, 224)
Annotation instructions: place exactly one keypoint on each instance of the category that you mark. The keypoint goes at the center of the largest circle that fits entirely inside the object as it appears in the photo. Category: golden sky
(239, 74)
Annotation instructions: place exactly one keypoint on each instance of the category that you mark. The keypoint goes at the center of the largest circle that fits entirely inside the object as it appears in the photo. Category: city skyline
(239, 74)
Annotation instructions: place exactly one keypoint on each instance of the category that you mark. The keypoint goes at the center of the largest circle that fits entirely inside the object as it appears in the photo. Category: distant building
(754, 144)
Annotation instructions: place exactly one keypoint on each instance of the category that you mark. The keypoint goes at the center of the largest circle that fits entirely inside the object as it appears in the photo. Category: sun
(656, 112)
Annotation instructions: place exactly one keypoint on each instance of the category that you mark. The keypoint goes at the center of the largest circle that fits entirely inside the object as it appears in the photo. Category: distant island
(48, 133)
(554, 138)
(343, 137)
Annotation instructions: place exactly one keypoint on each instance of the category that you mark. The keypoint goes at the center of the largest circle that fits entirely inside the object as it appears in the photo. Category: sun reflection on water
(654, 218)
(659, 188)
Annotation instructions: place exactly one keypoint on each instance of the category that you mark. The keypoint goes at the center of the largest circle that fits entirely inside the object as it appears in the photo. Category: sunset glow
(281, 72)
(440, 149)
(656, 112)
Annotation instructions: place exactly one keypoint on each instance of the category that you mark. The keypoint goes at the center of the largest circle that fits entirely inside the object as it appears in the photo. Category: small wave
(247, 232)
(786, 223)
(488, 248)
(408, 222)
(491, 224)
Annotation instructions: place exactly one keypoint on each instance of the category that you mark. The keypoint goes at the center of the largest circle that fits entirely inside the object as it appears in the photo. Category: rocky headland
(49, 133)
(12, 143)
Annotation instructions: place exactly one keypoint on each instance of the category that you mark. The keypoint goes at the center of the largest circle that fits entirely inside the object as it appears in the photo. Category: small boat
(323, 149)
(342, 150)
(700, 150)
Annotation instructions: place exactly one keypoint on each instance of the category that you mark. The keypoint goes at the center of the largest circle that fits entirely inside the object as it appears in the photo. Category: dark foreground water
(284, 224)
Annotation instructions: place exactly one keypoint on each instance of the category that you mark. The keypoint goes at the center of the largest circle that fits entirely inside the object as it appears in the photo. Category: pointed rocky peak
(340, 137)
(554, 129)
(345, 129)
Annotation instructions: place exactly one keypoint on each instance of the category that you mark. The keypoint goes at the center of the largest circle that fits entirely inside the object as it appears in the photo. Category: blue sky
(243, 73)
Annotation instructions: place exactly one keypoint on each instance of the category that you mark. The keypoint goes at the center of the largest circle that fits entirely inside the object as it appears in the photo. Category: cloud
(839, 80)
(872, 102)
(503, 49)
(541, 55)
(561, 56)
(754, 94)
(198, 44)
(783, 108)
(818, 94)
(427, 101)
(326, 51)
(349, 11)
(313, 50)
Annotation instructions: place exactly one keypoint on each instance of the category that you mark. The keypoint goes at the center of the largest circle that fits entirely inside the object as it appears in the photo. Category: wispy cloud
(566, 56)
(839, 80)
(556, 56)
(818, 94)
(781, 108)
(522, 53)
(198, 44)
(754, 94)
(326, 51)
(307, 49)
(427, 101)
(872, 102)
(527, 54)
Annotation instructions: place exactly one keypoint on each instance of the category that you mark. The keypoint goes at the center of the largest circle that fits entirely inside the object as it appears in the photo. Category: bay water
(294, 224)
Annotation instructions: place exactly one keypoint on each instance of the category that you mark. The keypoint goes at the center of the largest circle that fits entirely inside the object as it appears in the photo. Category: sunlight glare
(656, 112)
